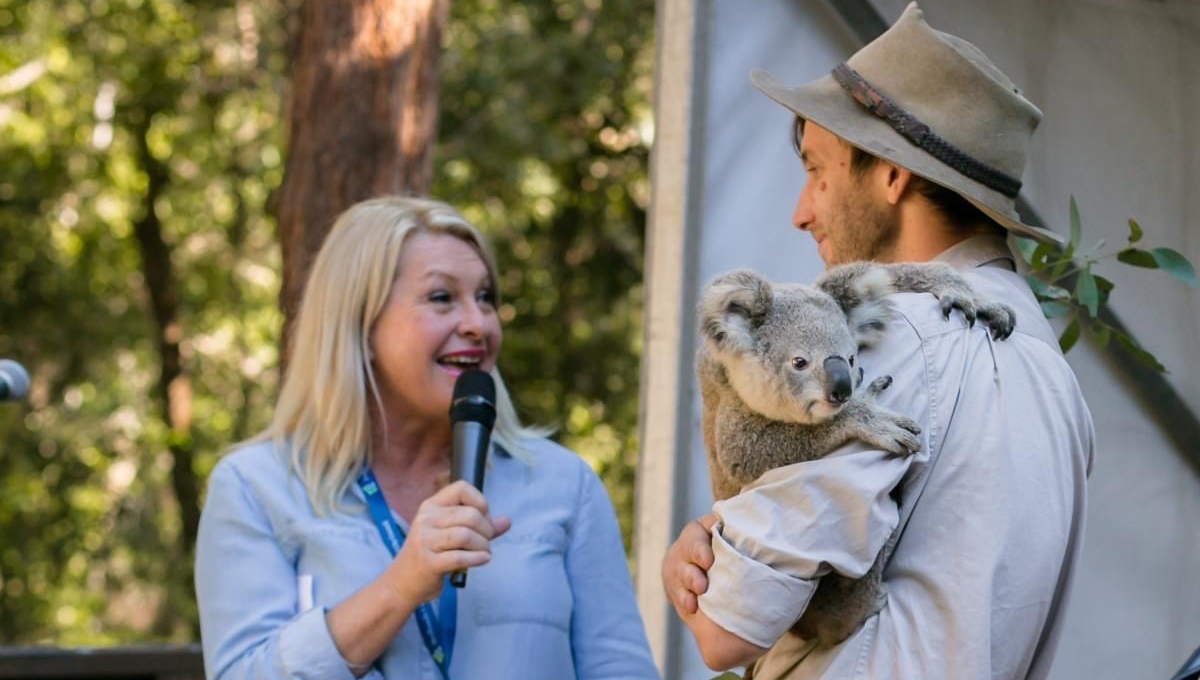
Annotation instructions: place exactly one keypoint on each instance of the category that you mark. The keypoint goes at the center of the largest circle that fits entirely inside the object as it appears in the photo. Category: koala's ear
(731, 306)
(869, 321)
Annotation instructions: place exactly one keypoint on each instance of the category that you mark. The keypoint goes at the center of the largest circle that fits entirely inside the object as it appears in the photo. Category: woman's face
(439, 320)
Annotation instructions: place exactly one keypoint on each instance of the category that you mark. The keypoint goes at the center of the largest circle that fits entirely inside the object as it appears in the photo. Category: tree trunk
(362, 120)
(174, 386)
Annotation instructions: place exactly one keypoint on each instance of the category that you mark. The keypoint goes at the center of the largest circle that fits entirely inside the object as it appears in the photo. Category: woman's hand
(450, 531)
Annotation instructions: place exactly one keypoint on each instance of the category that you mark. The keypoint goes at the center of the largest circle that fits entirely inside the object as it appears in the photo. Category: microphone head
(16, 378)
(474, 399)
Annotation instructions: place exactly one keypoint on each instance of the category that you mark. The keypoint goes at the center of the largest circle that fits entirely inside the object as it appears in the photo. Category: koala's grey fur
(764, 409)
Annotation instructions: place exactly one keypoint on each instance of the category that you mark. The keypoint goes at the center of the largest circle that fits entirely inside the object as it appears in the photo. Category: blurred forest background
(141, 145)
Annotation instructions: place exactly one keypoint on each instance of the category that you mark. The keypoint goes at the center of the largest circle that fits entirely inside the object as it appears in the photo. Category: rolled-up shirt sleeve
(776, 539)
(793, 525)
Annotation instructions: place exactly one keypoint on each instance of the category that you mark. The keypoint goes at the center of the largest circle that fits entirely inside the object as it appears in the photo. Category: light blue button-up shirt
(555, 602)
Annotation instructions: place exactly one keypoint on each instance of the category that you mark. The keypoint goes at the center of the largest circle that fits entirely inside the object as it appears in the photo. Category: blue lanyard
(439, 639)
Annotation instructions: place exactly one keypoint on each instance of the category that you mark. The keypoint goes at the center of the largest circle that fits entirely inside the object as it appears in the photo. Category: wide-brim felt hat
(934, 104)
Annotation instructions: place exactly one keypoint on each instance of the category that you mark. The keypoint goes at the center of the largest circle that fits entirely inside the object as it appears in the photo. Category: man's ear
(896, 181)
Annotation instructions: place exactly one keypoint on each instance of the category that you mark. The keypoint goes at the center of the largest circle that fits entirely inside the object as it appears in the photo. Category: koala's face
(801, 366)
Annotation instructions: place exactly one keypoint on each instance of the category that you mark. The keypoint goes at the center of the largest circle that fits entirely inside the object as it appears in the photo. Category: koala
(780, 384)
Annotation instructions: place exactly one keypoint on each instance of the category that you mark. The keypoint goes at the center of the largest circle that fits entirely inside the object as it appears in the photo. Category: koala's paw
(895, 433)
(999, 318)
(962, 303)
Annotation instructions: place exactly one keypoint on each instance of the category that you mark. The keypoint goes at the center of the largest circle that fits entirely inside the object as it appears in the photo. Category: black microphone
(14, 380)
(472, 414)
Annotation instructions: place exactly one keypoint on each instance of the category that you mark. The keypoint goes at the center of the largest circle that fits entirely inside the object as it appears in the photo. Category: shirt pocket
(341, 557)
(526, 580)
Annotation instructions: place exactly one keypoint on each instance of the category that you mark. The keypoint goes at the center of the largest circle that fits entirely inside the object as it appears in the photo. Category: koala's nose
(838, 385)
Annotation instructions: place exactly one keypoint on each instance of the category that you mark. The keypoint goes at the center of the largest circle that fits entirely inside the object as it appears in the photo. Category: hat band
(919, 133)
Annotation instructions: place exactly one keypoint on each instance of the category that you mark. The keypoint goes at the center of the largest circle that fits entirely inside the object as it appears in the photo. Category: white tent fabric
(1118, 82)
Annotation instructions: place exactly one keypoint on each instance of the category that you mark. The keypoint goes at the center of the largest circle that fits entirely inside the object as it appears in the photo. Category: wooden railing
(149, 662)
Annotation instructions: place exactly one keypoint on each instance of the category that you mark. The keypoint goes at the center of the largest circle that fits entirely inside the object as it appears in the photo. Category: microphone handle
(468, 462)
(469, 454)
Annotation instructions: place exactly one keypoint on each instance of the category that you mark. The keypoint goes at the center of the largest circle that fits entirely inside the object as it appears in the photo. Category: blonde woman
(325, 542)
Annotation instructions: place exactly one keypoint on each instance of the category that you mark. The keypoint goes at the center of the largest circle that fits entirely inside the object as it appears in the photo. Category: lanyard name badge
(437, 629)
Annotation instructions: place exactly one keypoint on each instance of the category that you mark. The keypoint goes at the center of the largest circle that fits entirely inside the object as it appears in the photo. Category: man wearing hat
(914, 150)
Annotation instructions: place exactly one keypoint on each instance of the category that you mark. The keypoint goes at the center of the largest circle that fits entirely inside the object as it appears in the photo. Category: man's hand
(686, 564)
(685, 578)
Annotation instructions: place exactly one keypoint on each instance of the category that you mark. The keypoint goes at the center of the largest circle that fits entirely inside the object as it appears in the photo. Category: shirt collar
(496, 450)
(979, 251)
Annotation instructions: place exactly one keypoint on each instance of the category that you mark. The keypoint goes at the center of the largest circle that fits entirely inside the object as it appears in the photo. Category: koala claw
(909, 425)
(963, 304)
(895, 433)
(910, 442)
(999, 318)
(878, 385)
(907, 444)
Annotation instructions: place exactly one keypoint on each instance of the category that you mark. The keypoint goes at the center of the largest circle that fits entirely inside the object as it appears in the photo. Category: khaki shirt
(979, 581)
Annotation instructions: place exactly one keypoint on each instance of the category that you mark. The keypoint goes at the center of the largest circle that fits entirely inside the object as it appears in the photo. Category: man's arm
(720, 649)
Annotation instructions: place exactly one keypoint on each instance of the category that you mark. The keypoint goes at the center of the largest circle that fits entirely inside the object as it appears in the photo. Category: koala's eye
(851, 362)
(799, 363)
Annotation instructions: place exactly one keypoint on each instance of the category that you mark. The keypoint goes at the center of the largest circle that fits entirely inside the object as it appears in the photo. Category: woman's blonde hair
(322, 415)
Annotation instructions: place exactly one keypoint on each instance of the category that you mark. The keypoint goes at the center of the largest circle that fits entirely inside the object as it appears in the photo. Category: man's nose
(838, 385)
(802, 216)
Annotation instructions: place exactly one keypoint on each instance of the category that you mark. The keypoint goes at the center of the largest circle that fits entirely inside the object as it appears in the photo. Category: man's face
(845, 212)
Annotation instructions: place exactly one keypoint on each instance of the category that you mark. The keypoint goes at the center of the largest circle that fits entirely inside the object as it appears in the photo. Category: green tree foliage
(113, 109)
(128, 107)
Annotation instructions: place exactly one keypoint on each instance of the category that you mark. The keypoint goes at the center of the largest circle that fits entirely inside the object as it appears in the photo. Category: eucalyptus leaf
(1069, 337)
(1053, 310)
(1130, 345)
(1026, 247)
(1176, 265)
(1087, 292)
(1101, 332)
(1137, 258)
(1135, 231)
(1105, 287)
(1048, 291)
(1063, 265)
(1041, 256)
